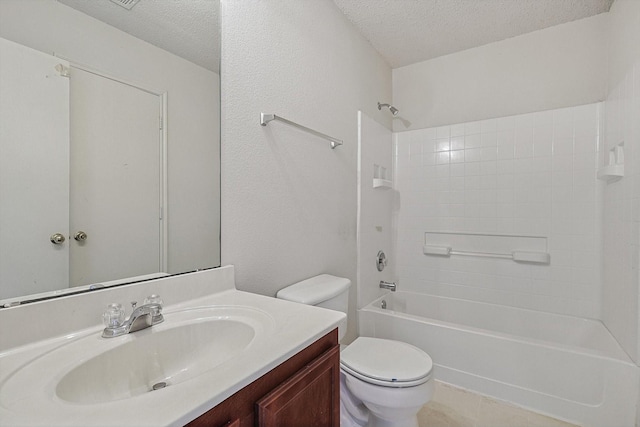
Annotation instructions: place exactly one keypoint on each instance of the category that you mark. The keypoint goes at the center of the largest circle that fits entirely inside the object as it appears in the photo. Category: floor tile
(538, 420)
(455, 407)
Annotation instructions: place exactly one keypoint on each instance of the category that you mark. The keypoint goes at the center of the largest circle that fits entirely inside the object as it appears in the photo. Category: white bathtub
(563, 366)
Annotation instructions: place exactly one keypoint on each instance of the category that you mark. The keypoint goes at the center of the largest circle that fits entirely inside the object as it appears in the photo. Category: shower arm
(394, 111)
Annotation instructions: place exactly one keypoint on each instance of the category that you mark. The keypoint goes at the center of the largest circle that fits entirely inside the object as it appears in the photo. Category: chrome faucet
(145, 316)
(388, 285)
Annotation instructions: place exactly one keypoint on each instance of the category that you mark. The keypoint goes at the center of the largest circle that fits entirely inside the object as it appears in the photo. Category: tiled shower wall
(532, 174)
(622, 214)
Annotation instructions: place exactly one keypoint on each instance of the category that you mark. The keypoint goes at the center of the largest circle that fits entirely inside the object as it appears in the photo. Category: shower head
(391, 108)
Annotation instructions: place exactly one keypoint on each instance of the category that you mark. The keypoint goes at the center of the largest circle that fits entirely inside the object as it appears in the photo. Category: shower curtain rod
(266, 118)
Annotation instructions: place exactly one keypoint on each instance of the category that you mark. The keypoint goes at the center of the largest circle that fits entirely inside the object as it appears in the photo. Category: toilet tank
(325, 291)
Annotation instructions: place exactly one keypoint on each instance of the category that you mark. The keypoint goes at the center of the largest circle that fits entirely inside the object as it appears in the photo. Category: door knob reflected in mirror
(57, 239)
(80, 236)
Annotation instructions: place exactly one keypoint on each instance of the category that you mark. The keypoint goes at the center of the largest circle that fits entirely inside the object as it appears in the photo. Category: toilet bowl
(392, 379)
(384, 383)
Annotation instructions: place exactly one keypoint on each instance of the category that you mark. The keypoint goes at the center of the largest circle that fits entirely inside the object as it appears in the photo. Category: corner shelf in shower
(385, 184)
(614, 169)
(611, 172)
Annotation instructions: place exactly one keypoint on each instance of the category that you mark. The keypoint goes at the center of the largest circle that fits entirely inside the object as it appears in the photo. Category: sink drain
(158, 386)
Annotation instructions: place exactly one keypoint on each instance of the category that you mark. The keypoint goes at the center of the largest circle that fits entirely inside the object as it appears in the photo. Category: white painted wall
(375, 207)
(288, 200)
(555, 67)
(193, 110)
(621, 311)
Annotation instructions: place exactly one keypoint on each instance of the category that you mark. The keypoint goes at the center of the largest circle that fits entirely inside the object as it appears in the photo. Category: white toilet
(384, 383)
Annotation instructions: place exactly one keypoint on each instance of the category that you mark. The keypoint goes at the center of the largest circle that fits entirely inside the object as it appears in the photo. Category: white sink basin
(157, 359)
(98, 370)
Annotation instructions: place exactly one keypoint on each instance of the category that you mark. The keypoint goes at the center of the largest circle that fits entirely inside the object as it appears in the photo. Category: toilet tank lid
(315, 289)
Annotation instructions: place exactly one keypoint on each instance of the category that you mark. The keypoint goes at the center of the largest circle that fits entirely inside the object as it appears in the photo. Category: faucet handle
(156, 312)
(153, 299)
(113, 316)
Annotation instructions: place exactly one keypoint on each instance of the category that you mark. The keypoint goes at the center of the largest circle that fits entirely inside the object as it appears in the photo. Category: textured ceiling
(410, 31)
(187, 28)
(403, 31)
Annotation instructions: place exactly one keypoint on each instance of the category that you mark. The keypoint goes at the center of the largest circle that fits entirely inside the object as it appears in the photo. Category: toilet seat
(386, 363)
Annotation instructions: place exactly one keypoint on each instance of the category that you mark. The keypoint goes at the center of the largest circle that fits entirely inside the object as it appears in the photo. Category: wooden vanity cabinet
(302, 391)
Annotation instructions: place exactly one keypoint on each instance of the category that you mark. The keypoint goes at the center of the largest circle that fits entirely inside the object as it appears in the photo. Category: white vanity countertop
(294, 327)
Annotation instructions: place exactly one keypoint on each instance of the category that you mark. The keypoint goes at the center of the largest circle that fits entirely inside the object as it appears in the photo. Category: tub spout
(388, 285)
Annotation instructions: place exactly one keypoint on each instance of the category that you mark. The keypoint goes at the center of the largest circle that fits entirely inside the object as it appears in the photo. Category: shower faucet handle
(381, 261)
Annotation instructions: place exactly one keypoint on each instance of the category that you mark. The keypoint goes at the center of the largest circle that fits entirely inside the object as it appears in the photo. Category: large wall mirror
(109, 143)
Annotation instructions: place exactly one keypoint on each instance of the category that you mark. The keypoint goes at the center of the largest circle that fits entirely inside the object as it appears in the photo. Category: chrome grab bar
(266, 118)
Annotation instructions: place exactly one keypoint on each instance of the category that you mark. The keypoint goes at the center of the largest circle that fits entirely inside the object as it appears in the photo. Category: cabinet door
(310, 398)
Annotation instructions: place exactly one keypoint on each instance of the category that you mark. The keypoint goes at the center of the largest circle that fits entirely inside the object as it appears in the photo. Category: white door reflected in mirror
(98, 166)
(116, 179)
(34, 172)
